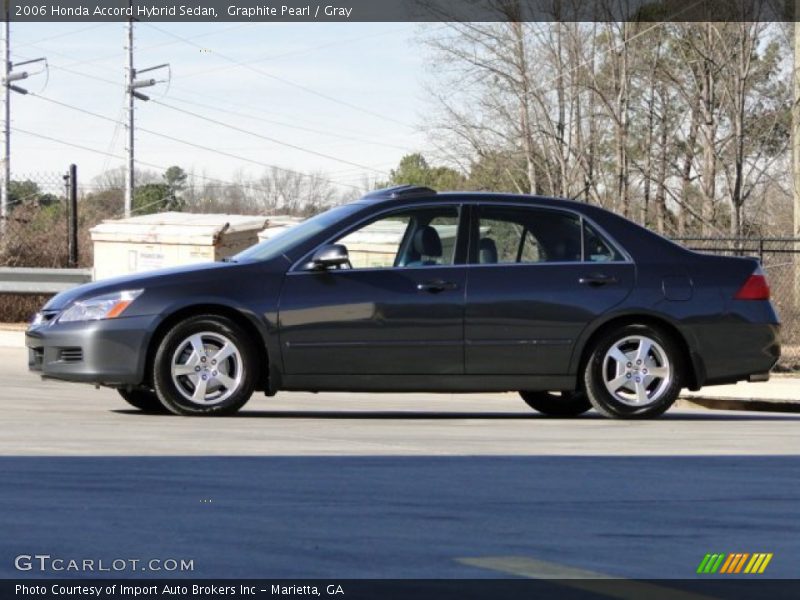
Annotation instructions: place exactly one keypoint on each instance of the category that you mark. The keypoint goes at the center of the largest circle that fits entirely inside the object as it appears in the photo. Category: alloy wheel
(637, 371)
(207, 368)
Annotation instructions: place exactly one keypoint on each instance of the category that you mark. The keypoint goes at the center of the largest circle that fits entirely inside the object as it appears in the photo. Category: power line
(222, 182)
(59, 35)
(115, 56)
(266, 138)
(186, 142)
(289, 125)
(65, 143)
(285, 81)
(243, 115)
(300, 52)
(172, 138)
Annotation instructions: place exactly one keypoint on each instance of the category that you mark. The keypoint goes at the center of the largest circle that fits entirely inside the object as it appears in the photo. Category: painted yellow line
(580, 579)
(765, 563)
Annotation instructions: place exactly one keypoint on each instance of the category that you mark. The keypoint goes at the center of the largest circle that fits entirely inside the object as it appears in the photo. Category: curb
(745, 404)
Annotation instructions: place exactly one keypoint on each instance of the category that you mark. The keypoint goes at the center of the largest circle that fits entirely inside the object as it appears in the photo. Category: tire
(145, 400)
(620, 387)
(555, 404)
(187, 377)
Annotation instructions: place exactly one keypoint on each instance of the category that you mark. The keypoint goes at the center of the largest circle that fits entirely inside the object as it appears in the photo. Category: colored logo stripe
(734, 563)
(710, 563)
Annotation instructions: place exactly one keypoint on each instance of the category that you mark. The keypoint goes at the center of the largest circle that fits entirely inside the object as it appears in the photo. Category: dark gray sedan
(410, 290)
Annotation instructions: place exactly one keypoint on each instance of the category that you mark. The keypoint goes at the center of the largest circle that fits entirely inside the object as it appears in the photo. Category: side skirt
(427, 383)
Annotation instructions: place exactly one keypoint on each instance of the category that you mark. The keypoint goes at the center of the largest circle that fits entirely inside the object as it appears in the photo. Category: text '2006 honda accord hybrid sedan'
(410, 290)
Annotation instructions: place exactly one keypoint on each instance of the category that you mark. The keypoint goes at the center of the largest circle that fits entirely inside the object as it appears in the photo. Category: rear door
(537, 278)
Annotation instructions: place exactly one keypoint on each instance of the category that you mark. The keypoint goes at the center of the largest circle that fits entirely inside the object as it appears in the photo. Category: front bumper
(106, 352)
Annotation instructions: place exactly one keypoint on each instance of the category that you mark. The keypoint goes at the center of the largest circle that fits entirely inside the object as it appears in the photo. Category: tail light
(755, 288)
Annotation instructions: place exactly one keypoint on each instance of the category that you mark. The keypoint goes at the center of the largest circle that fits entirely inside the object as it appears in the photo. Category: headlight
(106, 306)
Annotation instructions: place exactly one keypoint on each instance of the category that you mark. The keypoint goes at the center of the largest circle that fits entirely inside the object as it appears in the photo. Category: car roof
(408, 192)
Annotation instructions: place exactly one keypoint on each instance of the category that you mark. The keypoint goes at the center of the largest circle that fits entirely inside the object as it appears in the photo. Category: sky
(350, 94)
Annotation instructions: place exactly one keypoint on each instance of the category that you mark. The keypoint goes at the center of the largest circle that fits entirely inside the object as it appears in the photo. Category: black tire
(659, 394)
(145, 400)
(242, 368)
(557, 404)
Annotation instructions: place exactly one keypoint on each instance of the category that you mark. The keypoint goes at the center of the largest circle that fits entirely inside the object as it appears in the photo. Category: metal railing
(25, 280)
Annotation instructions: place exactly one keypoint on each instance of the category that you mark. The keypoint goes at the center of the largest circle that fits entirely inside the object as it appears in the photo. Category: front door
(538, 277)
(397, 309)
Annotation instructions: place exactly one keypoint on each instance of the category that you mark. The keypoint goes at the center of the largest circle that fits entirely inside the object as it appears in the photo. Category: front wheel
(633, 372)
(144, 400)
(205, 365)
(557, 404)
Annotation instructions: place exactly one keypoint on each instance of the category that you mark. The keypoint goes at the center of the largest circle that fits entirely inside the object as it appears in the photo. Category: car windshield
(296, 234)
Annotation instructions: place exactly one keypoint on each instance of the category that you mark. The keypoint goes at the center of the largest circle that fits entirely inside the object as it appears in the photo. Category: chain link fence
(34, 234)
(780, 259)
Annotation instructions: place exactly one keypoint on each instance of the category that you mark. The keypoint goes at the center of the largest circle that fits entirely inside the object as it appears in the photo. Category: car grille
(70, 355)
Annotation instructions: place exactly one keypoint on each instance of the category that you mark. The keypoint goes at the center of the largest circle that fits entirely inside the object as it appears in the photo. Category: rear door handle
(597, 280)
(434, 287)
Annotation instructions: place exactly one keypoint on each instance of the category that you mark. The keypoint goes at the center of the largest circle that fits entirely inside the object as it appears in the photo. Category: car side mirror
(330, 256)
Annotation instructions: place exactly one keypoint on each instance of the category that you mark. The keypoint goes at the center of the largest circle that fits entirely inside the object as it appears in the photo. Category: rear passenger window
(596, 248)
(523, 235)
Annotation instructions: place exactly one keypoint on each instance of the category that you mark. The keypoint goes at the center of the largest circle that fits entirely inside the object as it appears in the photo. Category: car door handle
(597, 280)
(434, 287)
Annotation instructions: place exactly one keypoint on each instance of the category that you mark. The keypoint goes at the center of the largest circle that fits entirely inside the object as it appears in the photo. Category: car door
(537, 278)
(398, 309)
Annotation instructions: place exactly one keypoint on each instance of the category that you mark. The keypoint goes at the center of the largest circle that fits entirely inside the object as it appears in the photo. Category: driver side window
(410, 238)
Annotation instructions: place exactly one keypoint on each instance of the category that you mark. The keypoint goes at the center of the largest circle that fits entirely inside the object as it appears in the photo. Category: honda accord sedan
(411, 290)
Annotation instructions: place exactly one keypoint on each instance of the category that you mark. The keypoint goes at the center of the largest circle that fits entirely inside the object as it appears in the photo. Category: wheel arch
(695, 369)
(247, 324)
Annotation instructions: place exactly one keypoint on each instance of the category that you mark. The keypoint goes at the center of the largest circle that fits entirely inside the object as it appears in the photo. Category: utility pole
(72, 212)
(132, 85)
(8, 86)
(796, 153)
(130, 75)
(6, 123)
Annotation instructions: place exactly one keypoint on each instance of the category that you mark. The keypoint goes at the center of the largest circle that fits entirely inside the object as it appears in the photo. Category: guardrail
(24, 280)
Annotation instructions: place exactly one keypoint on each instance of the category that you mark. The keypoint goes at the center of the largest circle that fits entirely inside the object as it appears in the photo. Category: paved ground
(53, 418)
(339, 485)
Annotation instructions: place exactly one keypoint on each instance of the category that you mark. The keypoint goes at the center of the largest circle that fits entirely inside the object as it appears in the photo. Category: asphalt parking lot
(341, 485)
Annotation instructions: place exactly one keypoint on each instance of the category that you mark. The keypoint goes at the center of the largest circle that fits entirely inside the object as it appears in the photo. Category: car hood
(133, 282)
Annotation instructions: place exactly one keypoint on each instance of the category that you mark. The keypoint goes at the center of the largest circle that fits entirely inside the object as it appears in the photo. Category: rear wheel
(557, 404)
(205, 366)
(634, 372)
(144, 400)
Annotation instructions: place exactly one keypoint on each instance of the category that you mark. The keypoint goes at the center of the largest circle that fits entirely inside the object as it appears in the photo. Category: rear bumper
(738, 351)
(108, 352)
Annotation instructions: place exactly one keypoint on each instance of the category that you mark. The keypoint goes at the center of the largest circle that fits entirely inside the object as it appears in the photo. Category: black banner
(402, 10)
(733, 588)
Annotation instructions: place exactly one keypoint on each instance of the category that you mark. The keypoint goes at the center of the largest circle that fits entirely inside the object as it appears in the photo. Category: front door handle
(597, 280)
(434, 287)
